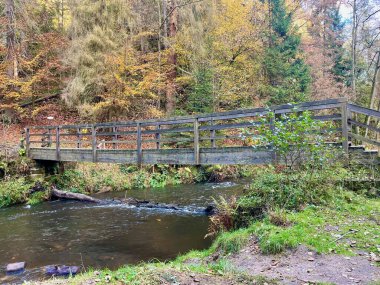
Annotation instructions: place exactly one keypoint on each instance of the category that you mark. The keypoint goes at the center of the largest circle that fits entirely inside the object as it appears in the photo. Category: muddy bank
(304, 266)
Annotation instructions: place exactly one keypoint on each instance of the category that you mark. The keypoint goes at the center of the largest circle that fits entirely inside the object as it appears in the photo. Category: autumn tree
(324, 51)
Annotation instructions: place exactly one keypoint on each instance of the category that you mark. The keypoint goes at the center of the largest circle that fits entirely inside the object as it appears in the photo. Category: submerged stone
(15, 267)
(59, 270)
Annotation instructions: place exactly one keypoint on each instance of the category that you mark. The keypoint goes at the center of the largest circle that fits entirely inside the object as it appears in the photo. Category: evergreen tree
(341, 68)
(286, 70)
(200, 98)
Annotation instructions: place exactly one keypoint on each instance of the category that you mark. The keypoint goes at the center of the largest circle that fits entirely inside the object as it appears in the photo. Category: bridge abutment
(43, 168)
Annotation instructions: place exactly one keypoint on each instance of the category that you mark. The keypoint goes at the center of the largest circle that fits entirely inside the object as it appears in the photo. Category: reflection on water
(74, 233)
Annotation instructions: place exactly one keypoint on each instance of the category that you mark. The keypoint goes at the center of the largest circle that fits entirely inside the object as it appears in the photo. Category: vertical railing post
(345, 127)
(212, 134)
(114, 137)
(272, 126)
(158, 137)
(139, 145)
(349, 125)
(94, 147)
(196, 141)
(27, 141)
(78, 138)
(49, 137)
(57, 144)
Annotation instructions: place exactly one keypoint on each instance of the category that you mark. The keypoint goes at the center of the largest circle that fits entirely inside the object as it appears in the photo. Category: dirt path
(302, 266)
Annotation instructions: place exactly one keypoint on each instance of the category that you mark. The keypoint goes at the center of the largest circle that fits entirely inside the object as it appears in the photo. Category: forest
(110, 60)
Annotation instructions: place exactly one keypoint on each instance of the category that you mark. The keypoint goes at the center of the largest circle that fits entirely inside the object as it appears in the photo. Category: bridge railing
(363, 125)
(190, 139)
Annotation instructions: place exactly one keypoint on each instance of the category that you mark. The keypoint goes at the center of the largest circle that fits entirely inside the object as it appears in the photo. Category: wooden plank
(158, 137)
(27, 140)
(231, 126)
(309, 108)
(139, 145)
(361, 138)
(108, 134)
(196, 142)
(36, 135)
(344, 127)
(220, 137)
(272, 128)
(94, 146)
(333, 117)
(49, 138)
(372, 128)
(117, 156)
(114, 137)
(168, 140)
(212, 134)
(57, 144)
(163, 131)
(364, 111)
(235, 156)
(178, 156)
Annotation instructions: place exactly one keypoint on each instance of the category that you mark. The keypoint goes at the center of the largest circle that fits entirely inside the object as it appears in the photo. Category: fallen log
(55, 193)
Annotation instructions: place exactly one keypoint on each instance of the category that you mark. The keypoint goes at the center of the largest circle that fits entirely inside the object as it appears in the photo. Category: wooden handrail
(190, 133)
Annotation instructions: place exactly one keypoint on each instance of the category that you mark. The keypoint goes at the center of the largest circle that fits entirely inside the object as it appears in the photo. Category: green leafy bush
(271, 190)
(14, 191)
(37, 198)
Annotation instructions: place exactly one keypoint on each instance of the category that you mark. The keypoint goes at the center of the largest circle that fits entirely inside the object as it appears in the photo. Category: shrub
(14, 191)
(37, 198)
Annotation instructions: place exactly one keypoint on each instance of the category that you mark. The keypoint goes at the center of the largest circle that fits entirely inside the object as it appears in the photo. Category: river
(107, 235)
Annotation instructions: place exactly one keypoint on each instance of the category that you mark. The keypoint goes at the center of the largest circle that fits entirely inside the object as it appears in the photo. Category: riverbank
(88, 178)
(288, 228)
(336, 244)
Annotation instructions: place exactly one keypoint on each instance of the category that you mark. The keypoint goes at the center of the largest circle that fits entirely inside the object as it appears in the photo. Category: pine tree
(285, 68)
(201, 97)
(341, 68)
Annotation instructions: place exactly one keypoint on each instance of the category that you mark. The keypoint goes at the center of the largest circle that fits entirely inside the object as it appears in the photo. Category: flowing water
(107, 235)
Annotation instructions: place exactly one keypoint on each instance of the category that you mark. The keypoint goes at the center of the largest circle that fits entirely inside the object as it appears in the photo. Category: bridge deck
(216, 138)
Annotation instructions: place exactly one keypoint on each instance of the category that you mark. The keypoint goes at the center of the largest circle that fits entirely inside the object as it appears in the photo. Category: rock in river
(59, 270)
(15, 267)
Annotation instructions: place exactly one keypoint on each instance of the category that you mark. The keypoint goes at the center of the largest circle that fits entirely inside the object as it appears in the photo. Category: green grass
(155, 273)
(324, 229)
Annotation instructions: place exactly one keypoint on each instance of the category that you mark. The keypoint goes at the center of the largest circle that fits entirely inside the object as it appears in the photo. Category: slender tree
(172, 60)
(12, 60)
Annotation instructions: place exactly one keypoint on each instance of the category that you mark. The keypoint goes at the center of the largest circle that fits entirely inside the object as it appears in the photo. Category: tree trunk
(12, 63)
(61, 15)
(375, 88)
(72, 196)
(172, 60)
(353, 47)
(165, 23)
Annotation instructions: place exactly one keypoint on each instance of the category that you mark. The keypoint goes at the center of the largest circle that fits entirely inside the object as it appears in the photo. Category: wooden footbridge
(194, 140)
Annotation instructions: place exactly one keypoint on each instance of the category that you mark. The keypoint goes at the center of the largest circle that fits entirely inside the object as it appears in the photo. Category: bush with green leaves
(296, 139)
(14, 191)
